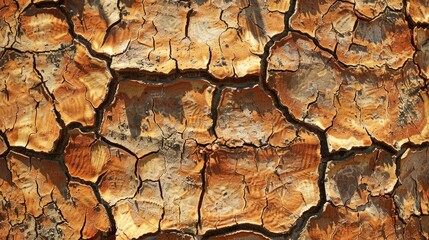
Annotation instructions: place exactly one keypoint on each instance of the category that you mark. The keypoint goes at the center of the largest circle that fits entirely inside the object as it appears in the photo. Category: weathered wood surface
(242, 119)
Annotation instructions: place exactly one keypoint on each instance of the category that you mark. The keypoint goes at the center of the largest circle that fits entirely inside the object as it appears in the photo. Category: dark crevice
(6, 141)
(47, 4)
(37, 154)
(118, 145)
(160, 78)
(345, 154)
(203, 190)
(407, 145)
(155, 235)
(241, 227)
(214, 110)
(108, 100)
(163, 207)
(188, 19)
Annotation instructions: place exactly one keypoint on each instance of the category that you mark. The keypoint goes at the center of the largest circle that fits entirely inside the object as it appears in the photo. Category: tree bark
(197, 119)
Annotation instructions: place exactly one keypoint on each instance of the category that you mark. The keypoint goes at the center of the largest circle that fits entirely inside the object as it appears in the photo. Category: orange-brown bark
(221, 119)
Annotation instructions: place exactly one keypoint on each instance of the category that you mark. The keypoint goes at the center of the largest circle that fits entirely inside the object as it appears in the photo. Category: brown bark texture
(214, 119)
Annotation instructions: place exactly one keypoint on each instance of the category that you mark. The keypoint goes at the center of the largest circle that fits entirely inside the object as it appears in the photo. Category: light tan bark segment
(383, 40)
(375, 220)
(180, 107)
(42, 30)
(354, 104)
(34, 189)
(249, 117)
(418, 10)
(223, 37)
(133, 222)
(412, 197)
(78, 81)
(421, 35)
(93, 19)
(27, 112)
(250, 184)
(351, 182)
(171, 183)
(92, 160)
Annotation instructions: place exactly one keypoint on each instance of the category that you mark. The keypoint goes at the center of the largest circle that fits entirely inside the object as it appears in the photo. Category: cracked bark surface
(196, 119)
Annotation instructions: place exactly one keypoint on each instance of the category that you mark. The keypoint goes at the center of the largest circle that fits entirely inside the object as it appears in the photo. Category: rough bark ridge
(220, 119)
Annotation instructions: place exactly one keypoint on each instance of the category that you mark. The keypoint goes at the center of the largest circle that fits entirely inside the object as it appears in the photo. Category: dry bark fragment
(352, 104)
(248, 117)
(181, 184)
(347, 130)
(177, 167)
(295, 188)
(221, 36)
(371, 10)
(383, 40)
(418, 10)
(3, 146)
(305, 79)
(394, 105)
(153, 53)
(11, 201)
(412, 196)
(269, 186)
(374, 220)
(247, 184)
(143, 114)
(92, 160)
(390, 105)
(27, 113)
(51, 223)
(32, 185)
(172, 184)
(281, 6)
(95, 217)
(42, 29)
(8, 23)
(338, 25)
(122, 32)
(92, 19)
(309, 15)
(350, 182)
(140, 215)
(85, 156)
(421, 37)
(24, 230)
(416, 228)
(78, 81)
